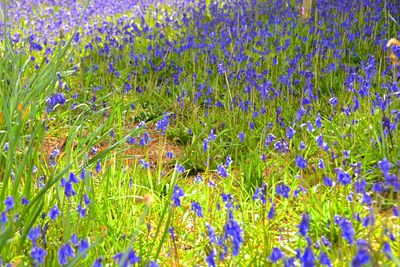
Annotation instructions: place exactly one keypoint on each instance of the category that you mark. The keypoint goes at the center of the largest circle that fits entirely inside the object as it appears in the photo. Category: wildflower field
(199, 133)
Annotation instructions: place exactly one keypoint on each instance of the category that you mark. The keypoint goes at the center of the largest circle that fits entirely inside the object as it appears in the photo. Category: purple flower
(387, 250)
(276, 255)
(38, 254)
(170, 154)
(271, 213)
(304, 225)
(24, 201)
(321, 164)
(98, 166)
(176, 196)
(54, 212)
(69, 189)
(180, 168)
(130, 260)
(81, 210)
(98, 263)
(343, 177)
(64, 253)
(144, 164)
(396, 50)
(83, 245)
(171, 230)
(163, 124)
(241, 136)
(34, 234)
(9, 202)
(233, 230)
(210, 258)
(73, 178)
(290, 133)
(396, 211)
(324, 259)
(347, 228)
(260, 193)
(308, 258)
(283, 190)
(221, 171)
(361, 258)
(301, 162)
(56, 99)
(228, 161)
(196, 207)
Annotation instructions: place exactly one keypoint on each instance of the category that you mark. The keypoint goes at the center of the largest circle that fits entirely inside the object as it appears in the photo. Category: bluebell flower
(310, 127)
(260, 193)
(283, 190)
(64, 253)
(269, 139)
(177, 195)
(210, 258)
(170, 154)
(171, 230)
(205, 144)
(55, 99)
(73, 178)
(24, 201)
(152, 264)
(276, 255)
(396, 211)
(360, 185)
(321, 164)
(396, 50)
(86, 199)
(81, 211)
(302, 145)
(271, 213)
(163, 124)
(34, 234)
(228, 161)
(144, 164)
(98, 167)
(289, 262)
(83, 245)
(38, 255)
(241, 136)
(221, 171)
(6, 147)
(233, 230)
(290, 133)
(98, 263)
(346, 226)
(308, 258)
(304, 225)
(180, 168)
(83, 174)
(3, 218)
(324, 259)
(301, 162)
(196, 207)
(343, 177)
(9, 202)
(76, 37)
(69, 189)
(387, 250)
(318, 121)
(131, 259)
(74, 239)
(361, 258)
(54, 212)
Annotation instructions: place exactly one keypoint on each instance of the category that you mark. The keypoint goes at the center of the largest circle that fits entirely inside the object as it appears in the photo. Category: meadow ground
(195, 133)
